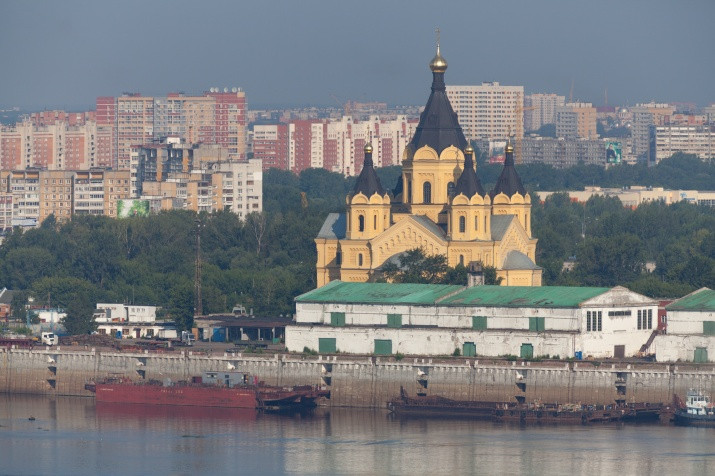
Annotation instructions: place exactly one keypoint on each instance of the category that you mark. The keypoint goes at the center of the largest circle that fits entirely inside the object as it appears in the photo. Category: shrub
(456, 352)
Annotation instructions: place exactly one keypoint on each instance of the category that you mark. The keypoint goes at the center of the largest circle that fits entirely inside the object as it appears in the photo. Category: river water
(73, 435)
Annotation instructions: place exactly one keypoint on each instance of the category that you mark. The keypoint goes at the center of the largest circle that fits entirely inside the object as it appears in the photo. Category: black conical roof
(438, 127)
(468, 183)
(368, 182)
(509, 182)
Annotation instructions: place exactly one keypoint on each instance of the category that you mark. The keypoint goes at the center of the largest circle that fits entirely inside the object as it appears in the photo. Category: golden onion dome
(438, 63)
(469, 150)
(509, 147)
(368, 148)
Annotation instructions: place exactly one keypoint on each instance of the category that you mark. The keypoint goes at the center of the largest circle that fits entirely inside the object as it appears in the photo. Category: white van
(49, 338)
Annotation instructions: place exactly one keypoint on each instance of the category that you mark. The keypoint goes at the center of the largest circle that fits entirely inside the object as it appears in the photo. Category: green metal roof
(379, 293)
(523, 296)
(451, 295)
(701, 300)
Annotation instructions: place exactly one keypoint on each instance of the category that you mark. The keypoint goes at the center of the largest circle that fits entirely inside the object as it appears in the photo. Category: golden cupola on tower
(438, 205)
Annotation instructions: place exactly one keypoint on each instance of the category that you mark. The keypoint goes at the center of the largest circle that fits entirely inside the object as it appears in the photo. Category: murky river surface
(71, 435)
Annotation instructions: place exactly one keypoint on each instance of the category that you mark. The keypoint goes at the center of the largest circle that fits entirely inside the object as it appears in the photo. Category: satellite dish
(234, 90)
(225, 90)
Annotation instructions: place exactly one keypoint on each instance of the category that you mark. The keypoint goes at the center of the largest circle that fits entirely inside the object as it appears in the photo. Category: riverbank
(367, 381)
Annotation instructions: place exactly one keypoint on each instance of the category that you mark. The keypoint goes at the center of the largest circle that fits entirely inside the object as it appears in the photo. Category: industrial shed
(426, 319)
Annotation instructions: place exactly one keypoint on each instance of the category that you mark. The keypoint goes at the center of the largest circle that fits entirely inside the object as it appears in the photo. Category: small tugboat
(696, 411)
(212, 389)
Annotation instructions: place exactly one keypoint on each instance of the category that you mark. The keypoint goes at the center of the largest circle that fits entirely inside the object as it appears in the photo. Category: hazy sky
(66, 53)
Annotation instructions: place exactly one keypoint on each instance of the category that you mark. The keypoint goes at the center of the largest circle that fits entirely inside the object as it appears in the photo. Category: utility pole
(198, 307)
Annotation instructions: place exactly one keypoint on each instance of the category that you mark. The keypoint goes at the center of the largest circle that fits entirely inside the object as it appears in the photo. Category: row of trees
(268, 259)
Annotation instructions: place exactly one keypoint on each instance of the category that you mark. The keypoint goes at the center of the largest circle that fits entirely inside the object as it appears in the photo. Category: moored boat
(697, 410)
(212, 389)
(536, 412)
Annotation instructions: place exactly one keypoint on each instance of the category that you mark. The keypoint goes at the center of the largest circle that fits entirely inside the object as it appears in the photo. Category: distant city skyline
(66, 54)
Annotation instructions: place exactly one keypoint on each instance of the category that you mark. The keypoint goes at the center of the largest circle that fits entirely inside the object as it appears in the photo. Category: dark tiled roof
(368, 183)
(438, 126)
(334, 227)
(518, 260)
(509, 182)
(431, 226)
(499, 225)
(468, 183)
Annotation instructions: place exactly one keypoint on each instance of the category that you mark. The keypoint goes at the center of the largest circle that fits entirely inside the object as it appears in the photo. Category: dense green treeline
(264, 262)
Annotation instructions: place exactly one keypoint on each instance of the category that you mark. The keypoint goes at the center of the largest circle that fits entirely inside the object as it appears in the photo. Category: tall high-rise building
(576, 120)
(540, 109)
(697, 140)
(216, 117)
(44, 144)
(488, 111)
(645, 117)
(334, 145)
(270, 145)
(134, 125)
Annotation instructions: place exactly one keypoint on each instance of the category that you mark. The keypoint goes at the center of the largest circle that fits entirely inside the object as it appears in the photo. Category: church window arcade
(427, 193)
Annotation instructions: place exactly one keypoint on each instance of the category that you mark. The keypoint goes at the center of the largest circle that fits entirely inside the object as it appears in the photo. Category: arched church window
(461, 260)
(476, 223)
(409, 191)
(427, 193)
(361, 223)
(462, 224)
(374, 222)
(450, 190)
(360, 259)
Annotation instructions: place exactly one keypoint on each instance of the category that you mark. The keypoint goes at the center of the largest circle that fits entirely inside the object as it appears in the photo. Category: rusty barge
(212, 389)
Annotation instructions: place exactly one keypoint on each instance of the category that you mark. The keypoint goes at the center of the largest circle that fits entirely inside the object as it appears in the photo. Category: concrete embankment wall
(365, 381)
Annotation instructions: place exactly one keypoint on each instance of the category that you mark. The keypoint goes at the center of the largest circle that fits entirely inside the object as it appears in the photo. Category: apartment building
(334, 145)
(199, 177)
(645, 116)
(237, 186)
(37, 194)
(540, 109)
(563, 153)
(5, 211)
(698, 140)
(270, 145)
(576, 120)
(38, 142)
(488, 111)
(216, 117)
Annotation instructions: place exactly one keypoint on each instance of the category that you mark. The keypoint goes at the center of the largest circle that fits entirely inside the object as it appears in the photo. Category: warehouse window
(479, 323)
(394, 320)
(594, 321)
(536, 324)
(709, 328)
(337, 319)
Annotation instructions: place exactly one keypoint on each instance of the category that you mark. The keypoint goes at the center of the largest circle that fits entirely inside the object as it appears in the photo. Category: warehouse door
(701, 355)
(383, 347)
(327, 345)
(619, 351)
(527, 351)
(469, 349)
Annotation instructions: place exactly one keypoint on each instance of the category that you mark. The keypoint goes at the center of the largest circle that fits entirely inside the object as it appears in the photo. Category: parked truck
(50, 338)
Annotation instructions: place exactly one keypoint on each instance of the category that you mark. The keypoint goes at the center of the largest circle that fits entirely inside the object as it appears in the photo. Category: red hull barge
(214, 389)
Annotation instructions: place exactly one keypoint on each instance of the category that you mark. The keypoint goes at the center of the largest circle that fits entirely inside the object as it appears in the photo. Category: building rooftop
(379, 293)
(452, 295)
(523, 296)
(701, 300)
